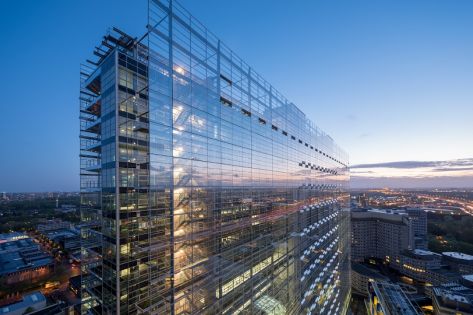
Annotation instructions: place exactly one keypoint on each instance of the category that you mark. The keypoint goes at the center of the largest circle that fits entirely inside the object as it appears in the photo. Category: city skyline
(395, 91)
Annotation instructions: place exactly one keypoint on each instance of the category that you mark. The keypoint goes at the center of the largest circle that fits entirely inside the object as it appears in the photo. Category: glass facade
(204, 190)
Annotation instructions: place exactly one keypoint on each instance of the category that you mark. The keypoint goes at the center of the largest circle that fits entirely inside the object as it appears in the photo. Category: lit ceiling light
(180, 70)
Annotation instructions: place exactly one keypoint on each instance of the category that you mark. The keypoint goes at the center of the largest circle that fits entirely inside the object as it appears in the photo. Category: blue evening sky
(388, 80)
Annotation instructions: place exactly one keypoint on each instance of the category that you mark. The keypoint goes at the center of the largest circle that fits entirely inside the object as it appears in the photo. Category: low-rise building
(361, 276)
(67, 208)
(22, 260)
(467, 281)
(33, 302)
(68, 239)
(389, 299)
(418, 263)
(52, 225)
(425, 266)
(460, 262)
(452, 299)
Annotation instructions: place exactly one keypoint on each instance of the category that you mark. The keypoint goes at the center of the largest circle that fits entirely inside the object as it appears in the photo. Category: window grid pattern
(245, 162)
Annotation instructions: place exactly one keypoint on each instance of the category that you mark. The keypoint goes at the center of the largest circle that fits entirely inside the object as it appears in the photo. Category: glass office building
(203, 189)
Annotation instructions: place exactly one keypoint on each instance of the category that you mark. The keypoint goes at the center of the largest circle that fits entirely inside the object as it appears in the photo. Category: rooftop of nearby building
(367, 271)
(75, 281)
(29, 300)
(458, 255)
(468, 277)
(388, 215)
(387, 211)
(446, 273)
(394, 298)
(12, 236)
(17, 244)
(22, 254)
(422, 254)
(454, 296)
(62, 233)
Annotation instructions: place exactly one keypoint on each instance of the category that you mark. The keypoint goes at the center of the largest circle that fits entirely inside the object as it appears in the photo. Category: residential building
(204, 190)
(381, 234)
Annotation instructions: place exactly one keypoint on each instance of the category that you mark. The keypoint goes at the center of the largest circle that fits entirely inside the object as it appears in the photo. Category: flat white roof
(387, 211)
(423, 252)
(458, 255)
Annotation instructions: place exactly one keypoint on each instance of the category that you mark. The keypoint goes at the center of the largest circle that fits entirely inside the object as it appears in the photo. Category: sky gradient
(389, 81)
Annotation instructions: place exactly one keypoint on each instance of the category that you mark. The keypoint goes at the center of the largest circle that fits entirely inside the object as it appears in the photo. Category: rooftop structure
(389, 299)
(391, 215)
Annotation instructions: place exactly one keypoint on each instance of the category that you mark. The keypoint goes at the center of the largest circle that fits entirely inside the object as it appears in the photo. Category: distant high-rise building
(363, 200)
(381, 234)
(203, 189)
(419, 227)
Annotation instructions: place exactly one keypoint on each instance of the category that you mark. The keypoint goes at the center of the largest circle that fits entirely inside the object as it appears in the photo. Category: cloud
(411, 174)
(409, 182)
(453, 169)
(417, 164)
